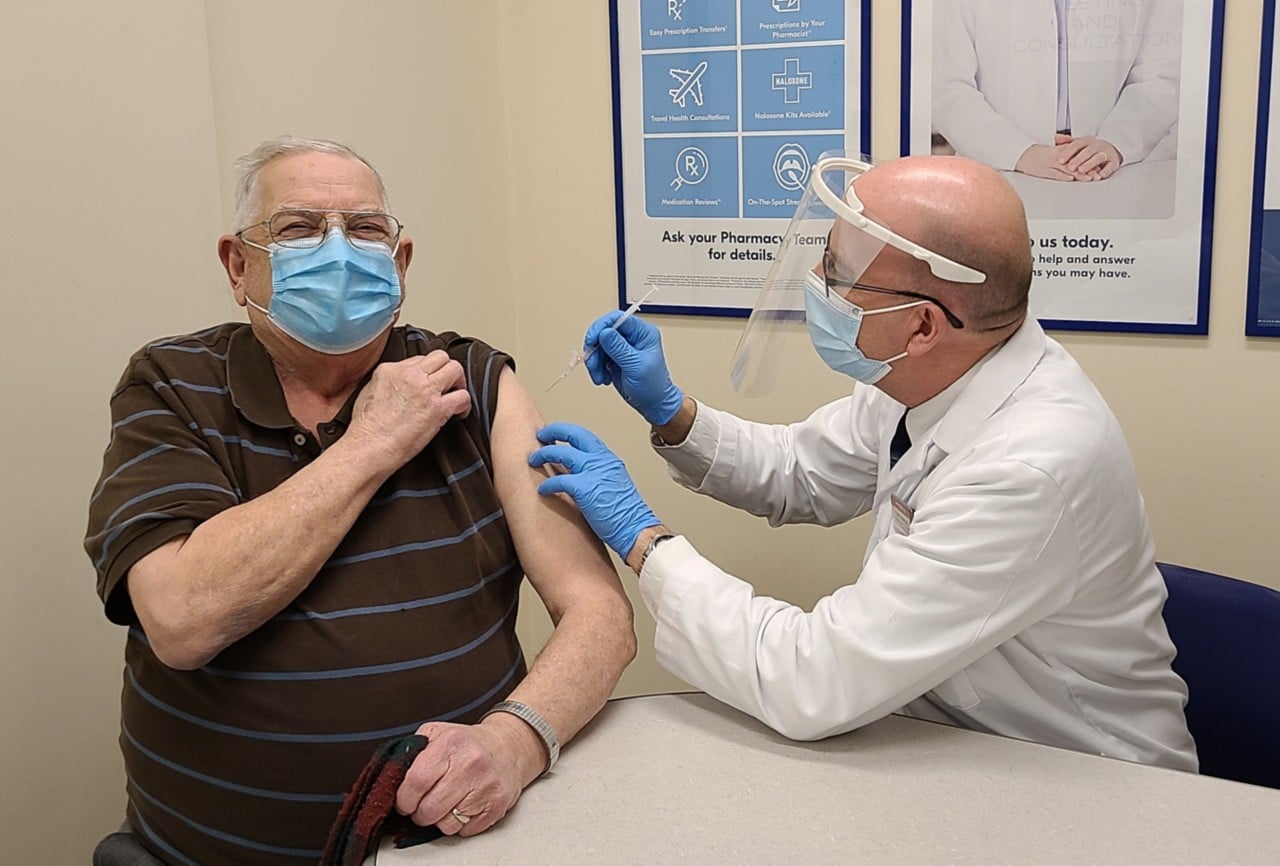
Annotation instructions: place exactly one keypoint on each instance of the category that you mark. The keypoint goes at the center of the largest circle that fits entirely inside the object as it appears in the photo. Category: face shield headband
(831, 222)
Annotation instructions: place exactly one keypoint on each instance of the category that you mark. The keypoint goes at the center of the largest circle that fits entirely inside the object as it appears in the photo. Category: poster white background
(1125, 253)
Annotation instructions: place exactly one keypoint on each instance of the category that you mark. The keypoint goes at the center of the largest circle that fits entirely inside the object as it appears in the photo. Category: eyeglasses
(301, 227)
(842, 288)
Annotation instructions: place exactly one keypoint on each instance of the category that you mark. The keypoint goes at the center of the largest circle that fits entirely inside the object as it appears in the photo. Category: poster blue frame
(1253, 327)
(864, 137)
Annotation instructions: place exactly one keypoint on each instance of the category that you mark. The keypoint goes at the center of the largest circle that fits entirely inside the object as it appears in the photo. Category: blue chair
(1227, 632)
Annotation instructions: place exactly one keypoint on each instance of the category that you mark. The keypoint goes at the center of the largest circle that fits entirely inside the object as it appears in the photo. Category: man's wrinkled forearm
(576, 672)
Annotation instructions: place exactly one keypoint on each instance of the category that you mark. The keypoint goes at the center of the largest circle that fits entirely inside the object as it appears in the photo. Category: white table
(684, 779)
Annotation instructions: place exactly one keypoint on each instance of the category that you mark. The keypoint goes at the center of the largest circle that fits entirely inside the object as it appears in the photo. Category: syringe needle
(559, 379)
(575, 361)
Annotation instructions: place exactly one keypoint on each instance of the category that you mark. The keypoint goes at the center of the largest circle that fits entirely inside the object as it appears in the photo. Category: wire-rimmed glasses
(301, 228)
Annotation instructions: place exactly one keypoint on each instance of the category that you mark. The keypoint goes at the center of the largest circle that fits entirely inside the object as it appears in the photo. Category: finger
(613, 373)
(1051, 173)
(602, 368)
(1061, 138)
(570, 485)
(449, 825)
(432, 361)
(1109, 169)
(445, 790)
(600, 324)
(435, 807)
(597, 368)
(456, 403)
(637, 331)
(1087, 155)
(482, 819)
(562, 455)
(617, 347)
(577, 436)
(1093, 163)
(448, 376)
(424, 773)
(1068, 151)
(475, 818)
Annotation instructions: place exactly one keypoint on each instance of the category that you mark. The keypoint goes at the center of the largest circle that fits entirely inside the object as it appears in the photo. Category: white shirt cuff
(690, 461)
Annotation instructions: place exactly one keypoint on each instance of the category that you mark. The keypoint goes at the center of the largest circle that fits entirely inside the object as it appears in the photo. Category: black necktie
(901, 443)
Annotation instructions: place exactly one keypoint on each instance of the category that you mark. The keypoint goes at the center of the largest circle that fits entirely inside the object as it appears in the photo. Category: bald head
(965, 211)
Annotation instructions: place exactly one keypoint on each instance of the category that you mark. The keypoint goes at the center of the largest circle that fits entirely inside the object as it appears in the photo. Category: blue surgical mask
(834, 323)
(333, 297)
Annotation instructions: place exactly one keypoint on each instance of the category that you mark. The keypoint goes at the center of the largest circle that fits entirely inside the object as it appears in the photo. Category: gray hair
(249, 167)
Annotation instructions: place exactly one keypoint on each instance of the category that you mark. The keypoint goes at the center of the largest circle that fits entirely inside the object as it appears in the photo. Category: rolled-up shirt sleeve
(820, 470)
(160, 479)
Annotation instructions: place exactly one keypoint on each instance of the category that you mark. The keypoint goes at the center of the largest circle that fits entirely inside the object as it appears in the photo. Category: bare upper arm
(562, 557)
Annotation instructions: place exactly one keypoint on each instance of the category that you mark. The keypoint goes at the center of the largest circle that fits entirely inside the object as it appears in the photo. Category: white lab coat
(1022, 598)
(995, 76)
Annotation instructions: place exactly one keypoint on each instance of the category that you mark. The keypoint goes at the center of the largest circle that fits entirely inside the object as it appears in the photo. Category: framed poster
(720, 108)
(1263, 311)
(1103, 114)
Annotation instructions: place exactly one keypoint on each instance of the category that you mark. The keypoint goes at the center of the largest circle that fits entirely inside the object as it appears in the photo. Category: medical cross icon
(791, 80)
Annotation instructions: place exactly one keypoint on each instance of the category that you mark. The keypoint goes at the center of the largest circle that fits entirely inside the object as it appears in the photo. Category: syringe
(576, 357)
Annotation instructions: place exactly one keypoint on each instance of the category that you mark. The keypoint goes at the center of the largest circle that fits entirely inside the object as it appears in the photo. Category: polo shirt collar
(255, 388)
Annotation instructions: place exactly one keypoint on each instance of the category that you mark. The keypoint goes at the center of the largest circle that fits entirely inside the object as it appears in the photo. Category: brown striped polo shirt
(246, 760)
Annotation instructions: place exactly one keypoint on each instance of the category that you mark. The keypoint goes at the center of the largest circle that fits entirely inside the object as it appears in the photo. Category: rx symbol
(691, 167)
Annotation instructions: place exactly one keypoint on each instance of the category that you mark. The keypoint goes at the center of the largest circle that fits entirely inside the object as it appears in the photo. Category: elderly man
(315, 526)
(1009, 584)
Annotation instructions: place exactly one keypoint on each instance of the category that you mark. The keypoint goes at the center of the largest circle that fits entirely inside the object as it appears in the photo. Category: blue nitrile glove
(598, 482)
(631, 360)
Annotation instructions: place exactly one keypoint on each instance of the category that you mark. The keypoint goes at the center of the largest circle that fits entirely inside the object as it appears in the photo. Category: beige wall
(491, 122)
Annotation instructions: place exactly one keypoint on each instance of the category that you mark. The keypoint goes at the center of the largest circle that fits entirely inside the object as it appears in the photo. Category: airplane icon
(690, 84)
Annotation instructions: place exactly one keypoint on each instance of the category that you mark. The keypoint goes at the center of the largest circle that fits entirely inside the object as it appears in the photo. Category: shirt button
(299, 439)
(331, 429)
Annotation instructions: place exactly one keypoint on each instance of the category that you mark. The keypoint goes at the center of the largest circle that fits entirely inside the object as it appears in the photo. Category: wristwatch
(657, 539)
(533, 719)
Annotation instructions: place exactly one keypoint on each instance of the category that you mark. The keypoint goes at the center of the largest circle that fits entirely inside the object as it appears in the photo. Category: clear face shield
(831, 225)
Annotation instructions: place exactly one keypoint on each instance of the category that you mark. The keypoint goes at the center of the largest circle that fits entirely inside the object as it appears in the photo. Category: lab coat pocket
(957, 692)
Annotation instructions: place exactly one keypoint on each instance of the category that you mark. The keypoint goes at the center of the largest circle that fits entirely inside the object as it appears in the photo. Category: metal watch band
(535, 720)
(657, 539)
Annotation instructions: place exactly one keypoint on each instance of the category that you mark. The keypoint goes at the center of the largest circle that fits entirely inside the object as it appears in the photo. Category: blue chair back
(1227, 632)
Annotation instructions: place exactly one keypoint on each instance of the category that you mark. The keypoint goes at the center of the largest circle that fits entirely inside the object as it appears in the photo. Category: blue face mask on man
(834, 323)
(334, 297)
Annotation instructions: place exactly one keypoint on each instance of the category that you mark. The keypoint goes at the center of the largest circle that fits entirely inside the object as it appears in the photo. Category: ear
(928, 326)
(404, 255)
(231, 254)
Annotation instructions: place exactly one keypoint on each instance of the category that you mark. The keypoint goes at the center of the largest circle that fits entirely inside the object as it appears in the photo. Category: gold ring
(462, 819)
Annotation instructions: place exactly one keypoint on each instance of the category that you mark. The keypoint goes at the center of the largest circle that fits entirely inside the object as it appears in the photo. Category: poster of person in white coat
(1066, 90)
(1102, 114)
